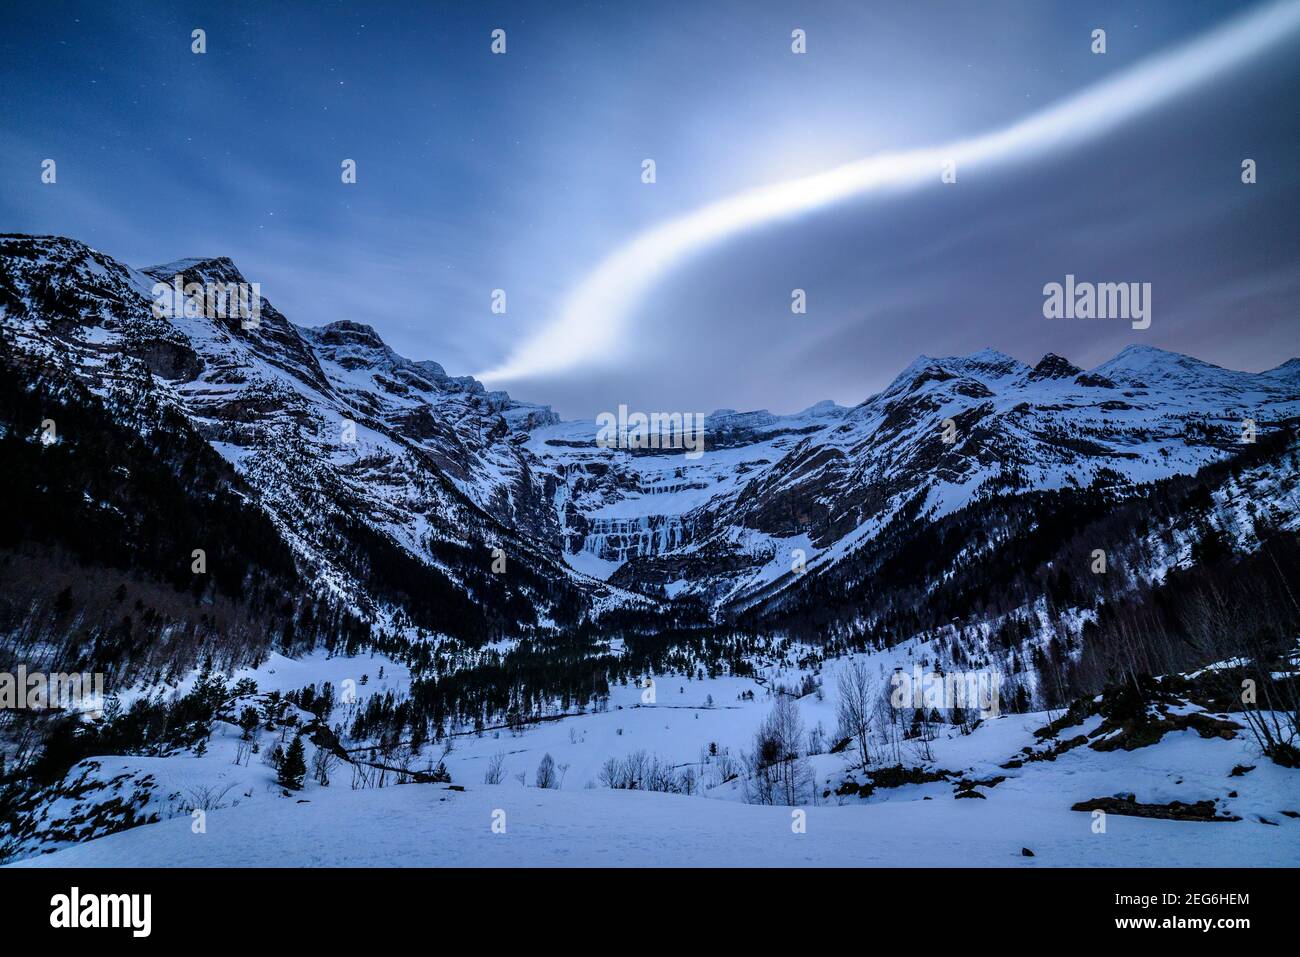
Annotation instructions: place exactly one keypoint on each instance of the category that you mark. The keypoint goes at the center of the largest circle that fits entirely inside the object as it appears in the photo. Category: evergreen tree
(546, 772)
(248, 722)
(958, 715)
(112, 709)
(294, 767)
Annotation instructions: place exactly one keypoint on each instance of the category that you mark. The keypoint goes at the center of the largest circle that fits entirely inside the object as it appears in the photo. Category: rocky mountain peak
(214, 269)
(1052, 366)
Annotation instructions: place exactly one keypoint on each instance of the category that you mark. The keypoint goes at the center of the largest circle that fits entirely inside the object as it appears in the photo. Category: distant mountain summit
(356, 450)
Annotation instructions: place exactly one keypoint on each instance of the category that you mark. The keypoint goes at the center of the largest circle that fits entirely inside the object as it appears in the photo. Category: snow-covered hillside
(251, 822)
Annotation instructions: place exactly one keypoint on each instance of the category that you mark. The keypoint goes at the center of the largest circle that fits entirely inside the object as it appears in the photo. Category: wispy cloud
(593, 316)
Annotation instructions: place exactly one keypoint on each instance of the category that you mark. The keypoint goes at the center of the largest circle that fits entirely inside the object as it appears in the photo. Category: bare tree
(323, 762)
(688, 781)
(890, 722)
(776, 772)
(725, 765)
(495, 773)
(856, 706)
(1254, 622)
(203, 797)
(641, 771)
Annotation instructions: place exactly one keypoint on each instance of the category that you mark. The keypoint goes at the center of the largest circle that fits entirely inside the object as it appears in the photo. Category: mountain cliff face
(392, 482)
(772, 492)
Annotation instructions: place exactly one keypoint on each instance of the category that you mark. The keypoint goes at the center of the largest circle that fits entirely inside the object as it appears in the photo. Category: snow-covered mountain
(482, 574)
(335, 431)
(392, 482)
(824, 481)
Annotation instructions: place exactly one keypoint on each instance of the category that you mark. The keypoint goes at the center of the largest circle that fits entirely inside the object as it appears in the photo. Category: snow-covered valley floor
(581, 824)
(429, 826)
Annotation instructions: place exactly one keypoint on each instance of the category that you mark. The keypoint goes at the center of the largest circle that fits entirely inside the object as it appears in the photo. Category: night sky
(523, 172)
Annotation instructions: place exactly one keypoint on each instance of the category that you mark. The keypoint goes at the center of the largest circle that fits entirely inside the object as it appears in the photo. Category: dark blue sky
(522, 172)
